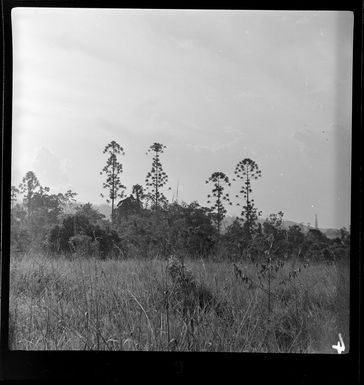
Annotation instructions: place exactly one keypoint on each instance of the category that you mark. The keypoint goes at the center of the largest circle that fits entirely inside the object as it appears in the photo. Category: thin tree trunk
(112, 210)
(113, 191)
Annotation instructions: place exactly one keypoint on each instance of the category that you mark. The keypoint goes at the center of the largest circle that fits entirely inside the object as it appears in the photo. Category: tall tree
(30, 184)
(248, 170)
(43, 210)
(113, 169)
(220, 182)
(47, 207)
(156, 179)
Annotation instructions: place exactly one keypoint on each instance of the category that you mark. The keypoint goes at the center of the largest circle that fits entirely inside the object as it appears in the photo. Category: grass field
(88, 304)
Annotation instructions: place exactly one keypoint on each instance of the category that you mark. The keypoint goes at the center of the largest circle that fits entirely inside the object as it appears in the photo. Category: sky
(214, 87)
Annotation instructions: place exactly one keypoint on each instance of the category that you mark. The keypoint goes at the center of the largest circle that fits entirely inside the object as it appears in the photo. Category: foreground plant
(268, 274)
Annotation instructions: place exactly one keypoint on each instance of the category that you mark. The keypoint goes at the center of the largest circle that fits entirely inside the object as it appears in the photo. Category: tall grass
(90, 304)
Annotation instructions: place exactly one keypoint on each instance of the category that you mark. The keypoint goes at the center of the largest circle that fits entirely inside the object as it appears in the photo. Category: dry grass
(89, 304)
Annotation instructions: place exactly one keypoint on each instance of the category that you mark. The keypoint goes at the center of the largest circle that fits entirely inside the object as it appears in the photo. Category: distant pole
(177, 191)
(316, 222)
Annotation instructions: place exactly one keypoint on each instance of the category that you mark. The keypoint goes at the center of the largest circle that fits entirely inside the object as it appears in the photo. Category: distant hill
(330, 233)
(104, 209)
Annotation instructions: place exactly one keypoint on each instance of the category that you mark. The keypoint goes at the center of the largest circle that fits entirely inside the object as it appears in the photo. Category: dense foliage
(137, 229)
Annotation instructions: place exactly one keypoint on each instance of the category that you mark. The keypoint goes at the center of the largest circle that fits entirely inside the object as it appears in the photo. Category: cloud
(50, 169)
(216, 147)
(312, 144)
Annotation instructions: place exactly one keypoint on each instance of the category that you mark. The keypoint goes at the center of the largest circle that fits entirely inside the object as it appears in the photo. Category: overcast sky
(215, 87)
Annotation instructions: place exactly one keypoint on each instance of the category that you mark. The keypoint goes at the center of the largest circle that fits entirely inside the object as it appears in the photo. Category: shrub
(183, 229)
(187, 293)
(77, 233)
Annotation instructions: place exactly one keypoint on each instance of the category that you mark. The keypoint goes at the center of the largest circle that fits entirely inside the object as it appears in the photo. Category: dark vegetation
(144, 224)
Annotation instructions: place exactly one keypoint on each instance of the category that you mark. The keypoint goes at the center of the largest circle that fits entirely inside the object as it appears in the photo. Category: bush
(78, 234)
(187, 292)
(179, 229)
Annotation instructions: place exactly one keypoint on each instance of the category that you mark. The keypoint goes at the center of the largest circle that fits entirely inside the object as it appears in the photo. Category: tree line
(145, 224)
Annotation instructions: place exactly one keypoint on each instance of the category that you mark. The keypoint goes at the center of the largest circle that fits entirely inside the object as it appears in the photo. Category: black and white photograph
(181, 180)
